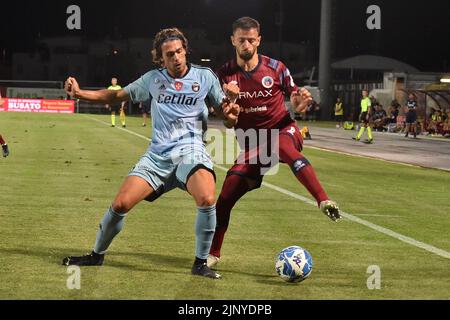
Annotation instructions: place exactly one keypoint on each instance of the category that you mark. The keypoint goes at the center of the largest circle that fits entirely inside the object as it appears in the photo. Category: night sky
(417, 33)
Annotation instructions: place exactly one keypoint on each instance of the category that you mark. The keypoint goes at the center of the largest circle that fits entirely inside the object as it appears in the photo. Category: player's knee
(205, 200)
(122, 204)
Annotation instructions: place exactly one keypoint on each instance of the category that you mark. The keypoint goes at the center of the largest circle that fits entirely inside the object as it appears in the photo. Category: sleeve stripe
(273, 63)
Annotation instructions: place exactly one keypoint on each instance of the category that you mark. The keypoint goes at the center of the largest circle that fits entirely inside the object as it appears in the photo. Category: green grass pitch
(64, 170)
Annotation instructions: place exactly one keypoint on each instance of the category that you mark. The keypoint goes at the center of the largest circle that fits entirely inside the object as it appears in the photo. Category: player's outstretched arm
(105, 96)
(300, 100)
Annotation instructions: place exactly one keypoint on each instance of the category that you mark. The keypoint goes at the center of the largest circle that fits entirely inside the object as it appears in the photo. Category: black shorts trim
(195, 169)
(156, 194)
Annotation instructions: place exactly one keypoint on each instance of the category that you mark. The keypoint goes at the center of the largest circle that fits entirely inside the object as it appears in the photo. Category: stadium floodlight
(205, 60)
(446, 79)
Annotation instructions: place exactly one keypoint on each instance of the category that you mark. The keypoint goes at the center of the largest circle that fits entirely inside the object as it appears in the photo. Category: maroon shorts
(287, 148)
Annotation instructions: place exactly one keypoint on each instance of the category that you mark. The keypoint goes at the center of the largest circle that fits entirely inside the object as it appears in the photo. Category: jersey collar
(250, 73)
(187, 72)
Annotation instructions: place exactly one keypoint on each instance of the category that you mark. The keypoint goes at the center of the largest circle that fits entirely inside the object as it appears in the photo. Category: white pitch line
(346, 215)
(371, 225)
(379, 215)
(123, 129)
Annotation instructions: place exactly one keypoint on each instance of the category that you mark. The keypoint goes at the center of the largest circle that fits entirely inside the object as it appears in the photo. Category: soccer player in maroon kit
(259, 84)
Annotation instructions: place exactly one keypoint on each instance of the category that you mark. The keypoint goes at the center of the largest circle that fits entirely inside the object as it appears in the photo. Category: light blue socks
(110, 226)
(205, 226)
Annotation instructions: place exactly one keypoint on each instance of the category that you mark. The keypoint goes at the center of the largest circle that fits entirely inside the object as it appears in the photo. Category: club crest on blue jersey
(195, 87)
(178, 85)
(267, 82)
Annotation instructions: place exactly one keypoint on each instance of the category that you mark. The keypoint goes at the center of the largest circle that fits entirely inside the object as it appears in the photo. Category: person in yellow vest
(117, 107)
(339, 113)
(365, 118)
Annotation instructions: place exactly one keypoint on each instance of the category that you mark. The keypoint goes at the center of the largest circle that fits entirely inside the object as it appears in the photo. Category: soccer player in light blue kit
(176, 156)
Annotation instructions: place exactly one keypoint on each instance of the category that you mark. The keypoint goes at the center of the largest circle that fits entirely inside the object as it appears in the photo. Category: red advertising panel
(37, 105)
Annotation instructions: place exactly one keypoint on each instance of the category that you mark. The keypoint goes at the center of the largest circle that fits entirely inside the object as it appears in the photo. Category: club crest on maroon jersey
(178, 85)
(195, 87)
(267, 82)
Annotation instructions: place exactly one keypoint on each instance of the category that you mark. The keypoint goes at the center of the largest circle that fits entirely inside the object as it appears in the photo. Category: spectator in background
(379, 118)
(393, 112)
(446, 125)
(411, 115)
(146, 108)
(436, 123)
(339, 113)
(391, 120)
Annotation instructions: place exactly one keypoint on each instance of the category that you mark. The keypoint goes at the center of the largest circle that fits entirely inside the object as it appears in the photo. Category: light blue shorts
(164, 173)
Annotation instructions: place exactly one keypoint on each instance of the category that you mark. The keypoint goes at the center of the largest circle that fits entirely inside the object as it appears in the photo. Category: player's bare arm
(300, 99)
(105, 96)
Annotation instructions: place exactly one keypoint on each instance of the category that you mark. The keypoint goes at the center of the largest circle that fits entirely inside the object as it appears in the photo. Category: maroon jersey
(262, 92)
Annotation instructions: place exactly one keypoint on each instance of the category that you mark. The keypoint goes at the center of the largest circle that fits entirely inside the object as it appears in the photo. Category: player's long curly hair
(163, 36)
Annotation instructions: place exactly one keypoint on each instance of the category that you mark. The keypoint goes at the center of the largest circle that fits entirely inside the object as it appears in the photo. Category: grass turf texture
(64, 171)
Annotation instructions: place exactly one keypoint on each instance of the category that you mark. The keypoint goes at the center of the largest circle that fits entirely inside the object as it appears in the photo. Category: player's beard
(246, 55)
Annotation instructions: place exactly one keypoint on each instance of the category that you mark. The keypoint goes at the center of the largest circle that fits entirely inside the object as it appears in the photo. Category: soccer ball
(293, 264)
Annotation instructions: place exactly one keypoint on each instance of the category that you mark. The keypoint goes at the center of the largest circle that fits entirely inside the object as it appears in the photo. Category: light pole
(324, 59)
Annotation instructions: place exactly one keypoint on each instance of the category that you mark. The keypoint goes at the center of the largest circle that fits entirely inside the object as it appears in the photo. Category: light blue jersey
(178, 106)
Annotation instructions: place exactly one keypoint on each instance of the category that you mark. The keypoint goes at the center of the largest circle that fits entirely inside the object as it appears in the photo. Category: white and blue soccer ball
(294, 264)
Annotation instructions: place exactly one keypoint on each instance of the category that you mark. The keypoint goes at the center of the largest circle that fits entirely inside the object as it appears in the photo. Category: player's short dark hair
(163, 36)
(246, 23)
